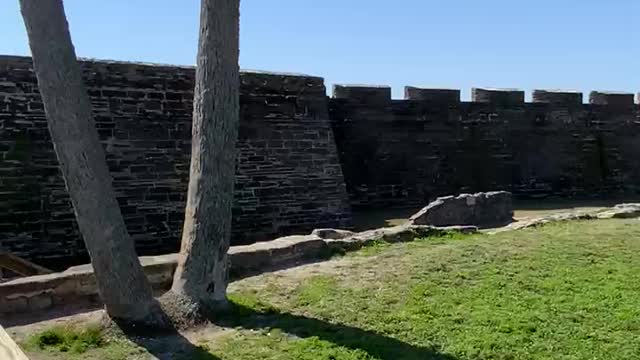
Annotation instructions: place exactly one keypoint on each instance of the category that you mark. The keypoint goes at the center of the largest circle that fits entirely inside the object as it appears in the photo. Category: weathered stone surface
(400, 233)
(462, 229)
(288, 177)
(558, 97)
(367, 94)
(11, 305)
(616, 99)
(286, 251)
(491, 209)
(41, 301)
(407, 154)
(499, 97)
(538, 221)
(621, 211)
(433, 96)
(332, 233)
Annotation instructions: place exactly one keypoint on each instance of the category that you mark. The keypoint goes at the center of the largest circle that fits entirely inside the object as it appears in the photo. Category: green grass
(77, 342)
(66, 339)
(561, 291)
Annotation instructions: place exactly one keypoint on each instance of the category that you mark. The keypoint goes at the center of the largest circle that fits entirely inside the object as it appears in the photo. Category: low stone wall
(76, 287)
(620, 211)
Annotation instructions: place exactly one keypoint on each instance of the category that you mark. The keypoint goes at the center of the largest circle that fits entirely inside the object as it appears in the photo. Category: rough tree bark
(202, 273)
(121, 280)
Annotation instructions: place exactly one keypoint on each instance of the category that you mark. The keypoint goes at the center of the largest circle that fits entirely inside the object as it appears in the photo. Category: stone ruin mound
(484, 210)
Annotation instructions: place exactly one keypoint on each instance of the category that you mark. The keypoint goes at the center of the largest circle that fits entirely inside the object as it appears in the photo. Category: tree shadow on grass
(171, 346)
(168, 344)
(376, 345)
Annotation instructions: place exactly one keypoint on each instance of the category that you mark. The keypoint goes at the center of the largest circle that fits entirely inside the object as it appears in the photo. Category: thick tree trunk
(202, 273)
(121, 280)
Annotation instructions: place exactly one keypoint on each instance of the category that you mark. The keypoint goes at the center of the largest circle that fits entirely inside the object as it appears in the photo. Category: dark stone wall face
(288, 177)
(404, 153)
(291, 157)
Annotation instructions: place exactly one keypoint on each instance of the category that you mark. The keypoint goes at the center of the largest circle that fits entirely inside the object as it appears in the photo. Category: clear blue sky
(572, 44)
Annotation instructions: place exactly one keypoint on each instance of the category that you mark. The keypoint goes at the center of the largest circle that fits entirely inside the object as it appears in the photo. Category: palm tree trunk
(202, 272)
(121, 280)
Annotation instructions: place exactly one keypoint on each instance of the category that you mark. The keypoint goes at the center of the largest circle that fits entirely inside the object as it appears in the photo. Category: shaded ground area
(566, 290)
(364, 220)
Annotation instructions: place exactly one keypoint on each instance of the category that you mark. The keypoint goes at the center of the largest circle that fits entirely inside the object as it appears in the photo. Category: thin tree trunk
(121, 280)
(202, 272)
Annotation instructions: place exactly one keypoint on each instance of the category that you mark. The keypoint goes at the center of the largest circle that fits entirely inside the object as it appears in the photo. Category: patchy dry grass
(63, 339)
(74, 342)
(562, 291)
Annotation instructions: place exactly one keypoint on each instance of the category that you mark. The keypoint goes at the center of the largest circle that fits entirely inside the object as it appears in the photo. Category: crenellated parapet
(431, 143)
(616, 99)
(363, 94)
(432, 96)
(506, 98)
(558, 97)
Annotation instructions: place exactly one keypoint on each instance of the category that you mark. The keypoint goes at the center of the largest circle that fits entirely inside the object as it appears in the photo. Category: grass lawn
(562, 291)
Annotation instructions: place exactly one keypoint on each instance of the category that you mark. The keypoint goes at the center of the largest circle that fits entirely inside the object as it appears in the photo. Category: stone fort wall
(288, 177)
(405, 152)
(304, 159)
